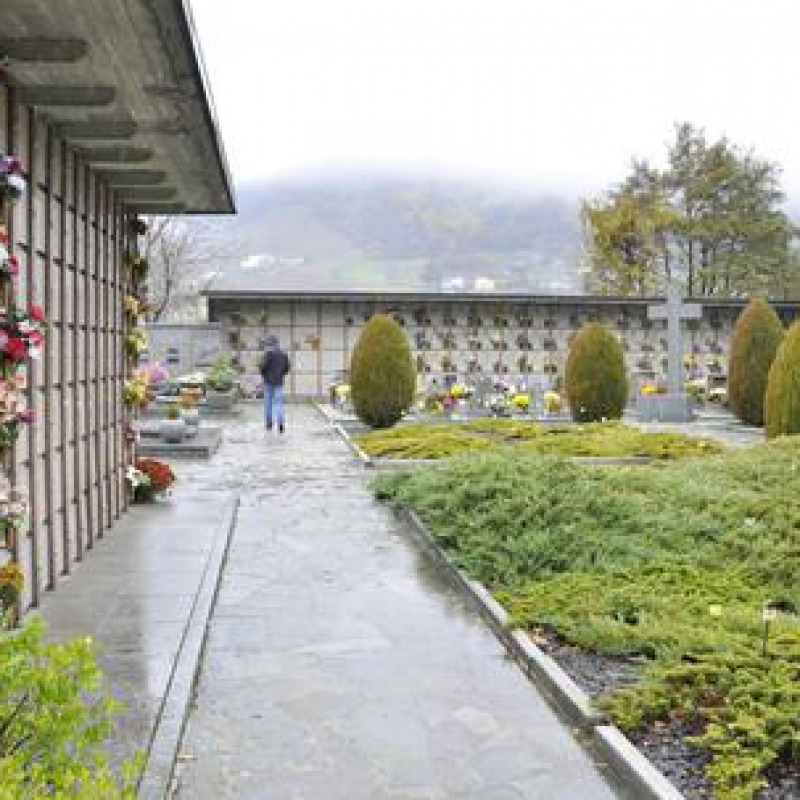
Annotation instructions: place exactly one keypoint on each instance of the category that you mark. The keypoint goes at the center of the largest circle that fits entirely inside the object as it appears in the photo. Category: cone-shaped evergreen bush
(782, 403)
(595, 376)
(382, 377)
(755, 340)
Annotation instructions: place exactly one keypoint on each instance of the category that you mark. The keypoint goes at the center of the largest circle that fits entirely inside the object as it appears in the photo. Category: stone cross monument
(673, 406)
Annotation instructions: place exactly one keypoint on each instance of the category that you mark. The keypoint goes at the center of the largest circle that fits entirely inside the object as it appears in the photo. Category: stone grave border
(155, 781)
(634, 772)
(204, 445)
(400, 463)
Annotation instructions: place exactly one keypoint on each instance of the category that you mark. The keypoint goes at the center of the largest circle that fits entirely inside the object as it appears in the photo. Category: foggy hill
(404, 233)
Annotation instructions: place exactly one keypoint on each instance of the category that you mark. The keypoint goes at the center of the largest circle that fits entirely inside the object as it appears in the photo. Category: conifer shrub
(755, 340)
(595, 377)
(782, 402)
(382, 376)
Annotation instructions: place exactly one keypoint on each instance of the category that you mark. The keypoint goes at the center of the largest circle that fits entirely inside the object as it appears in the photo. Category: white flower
(16, 182)
(136, 477)
(35, 353)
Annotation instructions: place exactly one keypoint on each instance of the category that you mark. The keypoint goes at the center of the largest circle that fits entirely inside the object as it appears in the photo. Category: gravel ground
(664, 744)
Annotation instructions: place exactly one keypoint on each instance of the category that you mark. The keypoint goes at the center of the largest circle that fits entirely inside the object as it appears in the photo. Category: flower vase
(191, 416)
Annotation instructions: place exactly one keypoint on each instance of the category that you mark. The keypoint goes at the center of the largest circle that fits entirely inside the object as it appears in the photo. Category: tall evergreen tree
(756, 337)
(712, 218)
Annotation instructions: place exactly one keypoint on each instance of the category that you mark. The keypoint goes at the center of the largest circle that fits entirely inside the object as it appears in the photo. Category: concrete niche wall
(70, 233)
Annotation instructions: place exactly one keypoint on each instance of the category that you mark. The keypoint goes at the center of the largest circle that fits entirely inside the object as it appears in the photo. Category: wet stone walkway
(339, 665)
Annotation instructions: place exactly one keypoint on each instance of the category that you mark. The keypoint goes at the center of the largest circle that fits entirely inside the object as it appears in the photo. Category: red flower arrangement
(160, 474)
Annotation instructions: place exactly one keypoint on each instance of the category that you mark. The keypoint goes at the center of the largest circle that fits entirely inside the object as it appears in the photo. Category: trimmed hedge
(382, 376)
(756, 336)
(783, 387)
(595, 377)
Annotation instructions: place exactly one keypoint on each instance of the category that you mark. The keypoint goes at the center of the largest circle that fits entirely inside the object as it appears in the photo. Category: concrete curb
(344, 435)
(634, 772)
(157, 775)
(322, 411)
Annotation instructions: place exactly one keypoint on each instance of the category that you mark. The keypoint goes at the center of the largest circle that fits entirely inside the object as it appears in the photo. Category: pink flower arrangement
(13, 409)
(12, 177)
(9, 263)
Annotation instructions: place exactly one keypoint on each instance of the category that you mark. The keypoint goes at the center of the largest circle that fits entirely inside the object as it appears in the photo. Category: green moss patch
(609, 439)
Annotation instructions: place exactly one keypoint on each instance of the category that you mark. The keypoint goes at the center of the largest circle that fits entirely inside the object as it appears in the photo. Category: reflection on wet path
(338, 663)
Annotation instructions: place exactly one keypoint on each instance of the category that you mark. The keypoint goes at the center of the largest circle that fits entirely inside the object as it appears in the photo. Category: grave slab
(204, 445)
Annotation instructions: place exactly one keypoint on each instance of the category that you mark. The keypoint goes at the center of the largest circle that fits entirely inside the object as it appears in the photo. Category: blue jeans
(273, 404)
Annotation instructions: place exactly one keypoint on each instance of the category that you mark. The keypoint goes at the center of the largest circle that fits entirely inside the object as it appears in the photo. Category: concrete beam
(44, 50)
(117, 154)
(155, 207)
(66, 96)
(133, 177)
(136, 193)
(98, 129)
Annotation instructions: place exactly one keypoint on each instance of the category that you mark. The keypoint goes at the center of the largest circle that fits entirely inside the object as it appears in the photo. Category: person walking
(274, 367)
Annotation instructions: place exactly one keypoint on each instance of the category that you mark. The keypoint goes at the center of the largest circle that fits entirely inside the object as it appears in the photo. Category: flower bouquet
(552, 402)
(13, 510)
(136, 343)
(14, 411)
(12, 178)
(134, 392)
(149, 478)
(132, 306)
(9, 264)
(11, 582)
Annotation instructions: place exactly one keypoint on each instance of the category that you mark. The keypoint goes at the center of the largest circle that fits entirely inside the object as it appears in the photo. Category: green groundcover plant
(672, 562)
(433, 441)
(54, 721)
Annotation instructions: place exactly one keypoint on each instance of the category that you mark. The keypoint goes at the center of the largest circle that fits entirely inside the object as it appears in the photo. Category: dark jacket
(274, 367)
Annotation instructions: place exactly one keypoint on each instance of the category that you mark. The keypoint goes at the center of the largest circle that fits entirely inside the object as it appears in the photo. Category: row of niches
(449, 340)
(529, 366)
(540, 320)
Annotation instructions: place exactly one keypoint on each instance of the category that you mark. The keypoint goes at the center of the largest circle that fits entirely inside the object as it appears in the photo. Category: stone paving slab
(133, 595)
(340, 663)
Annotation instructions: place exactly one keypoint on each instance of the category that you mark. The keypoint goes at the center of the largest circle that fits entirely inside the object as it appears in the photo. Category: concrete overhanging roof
(123, 81)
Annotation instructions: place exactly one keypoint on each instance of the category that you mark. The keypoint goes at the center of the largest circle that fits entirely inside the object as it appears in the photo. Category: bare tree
(184, 255)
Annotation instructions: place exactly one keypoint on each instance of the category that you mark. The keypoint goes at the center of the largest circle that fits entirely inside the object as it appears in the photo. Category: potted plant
(173, 428)
(149, 479)
(221, 385)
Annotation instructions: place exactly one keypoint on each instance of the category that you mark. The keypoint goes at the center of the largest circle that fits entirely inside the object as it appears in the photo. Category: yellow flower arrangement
(457, 391)
(132, 305)
(134, 392)
(651, 389)
(521, 401)
(552, 402)
(136, 342)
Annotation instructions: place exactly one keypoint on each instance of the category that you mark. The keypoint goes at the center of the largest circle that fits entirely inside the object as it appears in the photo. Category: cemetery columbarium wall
(466, 337)
(69, 233)
(106, 107)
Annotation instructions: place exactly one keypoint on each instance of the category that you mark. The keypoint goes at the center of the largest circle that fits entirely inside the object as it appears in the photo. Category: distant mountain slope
(367, 232)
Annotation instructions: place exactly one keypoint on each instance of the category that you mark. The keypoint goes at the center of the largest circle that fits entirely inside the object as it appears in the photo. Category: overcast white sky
(553, 94)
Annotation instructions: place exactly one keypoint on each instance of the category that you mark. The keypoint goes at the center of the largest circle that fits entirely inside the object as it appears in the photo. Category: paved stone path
(134, 595)
(339, 666)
